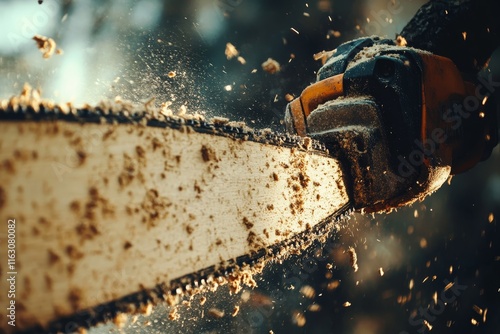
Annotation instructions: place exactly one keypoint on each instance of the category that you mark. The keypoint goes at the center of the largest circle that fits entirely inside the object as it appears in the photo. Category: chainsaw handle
(311, 97)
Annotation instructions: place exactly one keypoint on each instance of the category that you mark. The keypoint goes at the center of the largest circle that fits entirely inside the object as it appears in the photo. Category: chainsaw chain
(98, 115)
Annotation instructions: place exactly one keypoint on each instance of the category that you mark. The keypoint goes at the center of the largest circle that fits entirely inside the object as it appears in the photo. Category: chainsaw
(112, 208)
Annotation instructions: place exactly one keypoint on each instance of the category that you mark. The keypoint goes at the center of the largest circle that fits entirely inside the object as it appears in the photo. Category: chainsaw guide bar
(117, 210)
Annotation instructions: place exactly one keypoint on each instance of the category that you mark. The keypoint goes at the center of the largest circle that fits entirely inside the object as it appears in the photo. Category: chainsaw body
(402, 118)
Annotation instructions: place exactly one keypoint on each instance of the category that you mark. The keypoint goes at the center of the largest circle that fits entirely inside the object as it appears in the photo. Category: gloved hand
(402, 120)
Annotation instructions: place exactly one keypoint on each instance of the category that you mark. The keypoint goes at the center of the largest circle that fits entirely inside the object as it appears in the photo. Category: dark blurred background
(411, 262)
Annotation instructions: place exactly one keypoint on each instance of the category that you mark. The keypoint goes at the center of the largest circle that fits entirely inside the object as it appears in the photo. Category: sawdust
(247, 223)
(47, 46)
(189, 229)
(53, 257)
(353, 258)
(308, 291)
(323, 56)
(171, 300)
(334, 33)
(219, 121)
(215, 313)
(236, 310)
(146, 309)
(8, 166)
(129, 171)
(306, 144)
(314, 308)
(368, 53)
(298, 318)
(120, 320)
(208, 154)
(73, 253)
(332, 285)
(3, 197)
(401, 41)
(173, 314)
(241, 60)
(74, 298)
(271, 66)
(243, 277)
(154, 208)
(231, 51)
